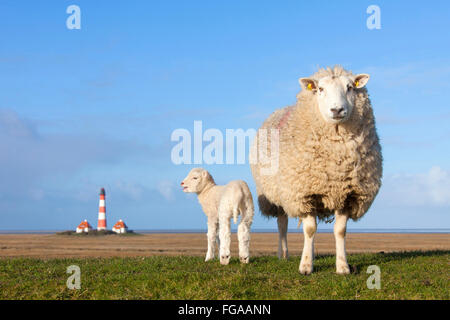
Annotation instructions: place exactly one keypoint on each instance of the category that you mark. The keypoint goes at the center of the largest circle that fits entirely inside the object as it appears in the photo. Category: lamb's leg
(212, 236)
(340, 228)
(217, 236)
(282, 221)
(309, 231)
(244, 241)
(225, 237)
(247, 210)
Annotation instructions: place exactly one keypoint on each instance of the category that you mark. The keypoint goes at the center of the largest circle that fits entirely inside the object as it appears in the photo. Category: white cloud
(132, 190)
(430, 189)
(28, 157)
(165, 188)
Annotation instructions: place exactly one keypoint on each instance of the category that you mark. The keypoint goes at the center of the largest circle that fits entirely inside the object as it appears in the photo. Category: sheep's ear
(205, 174)
(361, 80)
(308, 84)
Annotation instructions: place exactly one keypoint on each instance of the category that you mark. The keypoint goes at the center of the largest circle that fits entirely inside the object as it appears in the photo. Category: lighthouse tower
(102, 211)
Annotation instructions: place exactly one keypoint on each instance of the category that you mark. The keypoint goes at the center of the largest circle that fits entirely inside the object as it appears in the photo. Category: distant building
(120, 227)
(84, 226)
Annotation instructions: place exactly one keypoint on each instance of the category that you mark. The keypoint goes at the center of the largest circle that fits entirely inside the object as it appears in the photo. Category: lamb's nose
(336, 111)
(182, 183)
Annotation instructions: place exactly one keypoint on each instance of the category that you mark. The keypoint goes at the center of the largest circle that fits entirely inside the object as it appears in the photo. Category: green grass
(405, 275)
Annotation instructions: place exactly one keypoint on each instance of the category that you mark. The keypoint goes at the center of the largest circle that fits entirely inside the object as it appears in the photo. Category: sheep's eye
(320, 89)
(349, 87)
(195, 178)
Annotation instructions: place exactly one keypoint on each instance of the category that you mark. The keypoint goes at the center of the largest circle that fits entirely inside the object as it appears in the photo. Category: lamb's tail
(235, 215)
(247, 217)
(246, 207)
(247, 211)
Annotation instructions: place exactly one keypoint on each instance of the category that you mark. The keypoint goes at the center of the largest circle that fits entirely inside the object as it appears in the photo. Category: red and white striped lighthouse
(102, 211)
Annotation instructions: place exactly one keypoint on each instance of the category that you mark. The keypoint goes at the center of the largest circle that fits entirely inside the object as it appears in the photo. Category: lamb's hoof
(342, 269)
(224, 260)
(209, 258)
(244, 260)
(283, 256)
(306, 268)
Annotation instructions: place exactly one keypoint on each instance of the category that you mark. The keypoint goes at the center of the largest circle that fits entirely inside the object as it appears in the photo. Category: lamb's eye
(195, 178)
(349, 87)
(320, 89)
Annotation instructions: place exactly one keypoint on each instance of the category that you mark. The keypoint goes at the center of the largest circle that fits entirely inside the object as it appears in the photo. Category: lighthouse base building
(120, 227)
(84, 226)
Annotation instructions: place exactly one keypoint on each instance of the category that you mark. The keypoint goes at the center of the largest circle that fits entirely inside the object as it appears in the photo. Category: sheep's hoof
(245, 260)
(342, 269)
(306, 268)
(209, 258)
(224, 260)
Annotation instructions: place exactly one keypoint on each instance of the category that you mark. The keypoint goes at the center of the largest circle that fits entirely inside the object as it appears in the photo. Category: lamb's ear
(308, 84)
(361, 80)
(205, 174)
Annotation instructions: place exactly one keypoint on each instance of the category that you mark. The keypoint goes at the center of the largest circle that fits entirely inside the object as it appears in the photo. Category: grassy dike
(404, 275)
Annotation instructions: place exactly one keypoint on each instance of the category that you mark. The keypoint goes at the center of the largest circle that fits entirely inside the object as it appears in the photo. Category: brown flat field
(58, 246)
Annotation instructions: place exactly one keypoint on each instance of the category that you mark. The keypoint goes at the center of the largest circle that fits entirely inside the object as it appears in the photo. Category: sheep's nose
(336, 111)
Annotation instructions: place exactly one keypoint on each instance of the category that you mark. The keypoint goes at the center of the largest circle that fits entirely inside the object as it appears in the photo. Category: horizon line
(257, 230)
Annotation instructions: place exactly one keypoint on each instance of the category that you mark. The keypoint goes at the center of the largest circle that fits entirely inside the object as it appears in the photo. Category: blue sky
(90, 108)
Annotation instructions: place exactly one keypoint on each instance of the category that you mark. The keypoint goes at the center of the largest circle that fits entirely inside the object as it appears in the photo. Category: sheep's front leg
(282, 221)
(212, 236)
(340, 229)
(225, 238)
(309, 231)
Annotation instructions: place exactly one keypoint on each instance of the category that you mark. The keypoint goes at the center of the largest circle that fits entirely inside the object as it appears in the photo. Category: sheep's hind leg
(212, 237)
(282, 221)
(340, 229)
(309, 231)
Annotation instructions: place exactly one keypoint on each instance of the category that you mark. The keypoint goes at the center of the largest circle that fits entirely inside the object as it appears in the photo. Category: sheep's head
(196, 180)
(335, 94)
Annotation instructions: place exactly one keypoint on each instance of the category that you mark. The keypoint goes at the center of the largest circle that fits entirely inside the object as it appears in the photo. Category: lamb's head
(335, 91)
(197, 180)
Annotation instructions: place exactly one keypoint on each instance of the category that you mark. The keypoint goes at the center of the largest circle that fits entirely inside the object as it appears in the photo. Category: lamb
(329, 160)
(220, 203)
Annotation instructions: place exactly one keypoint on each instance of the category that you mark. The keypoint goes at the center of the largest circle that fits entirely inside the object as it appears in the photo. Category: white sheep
(329, 157)
(220, 203)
